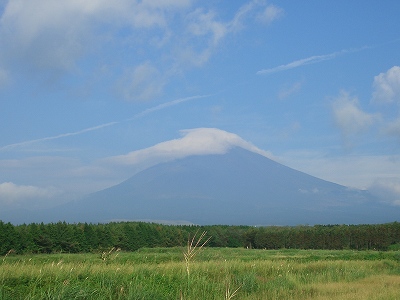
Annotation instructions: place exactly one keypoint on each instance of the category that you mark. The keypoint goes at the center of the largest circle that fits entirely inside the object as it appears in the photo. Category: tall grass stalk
(193, 247)
(8, 253)
(228, 294)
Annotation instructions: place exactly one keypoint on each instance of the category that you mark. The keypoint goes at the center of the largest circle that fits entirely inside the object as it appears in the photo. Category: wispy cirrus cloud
(308, 61)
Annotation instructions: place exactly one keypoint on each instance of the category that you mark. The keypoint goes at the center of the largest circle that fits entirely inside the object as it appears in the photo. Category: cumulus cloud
(356, 171)
(52, 180)
(289, 90)
(349, 117)
(15, 195)
(41, 33)
(3, 78)
(204, 23)
(243, 12)
(199, 141)
(10, 191)
(270, 14)
(386, 90)
(53, 35)
(209, 30)
(387, 86)
(393, 128)
(387, 189)
(251, 10)
(160, 39)
(143, 83)
(205, 33)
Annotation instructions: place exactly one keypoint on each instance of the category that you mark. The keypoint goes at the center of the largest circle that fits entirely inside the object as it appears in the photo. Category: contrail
(165, 105)
(7, 147)
(141, 114)
(309, 60)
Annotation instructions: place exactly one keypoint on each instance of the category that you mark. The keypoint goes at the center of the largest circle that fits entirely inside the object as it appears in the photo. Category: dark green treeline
(130, 236)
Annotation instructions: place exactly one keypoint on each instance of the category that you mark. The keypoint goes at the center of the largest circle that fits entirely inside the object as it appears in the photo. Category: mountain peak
(210, 176)
(197, 141)
(238, 187)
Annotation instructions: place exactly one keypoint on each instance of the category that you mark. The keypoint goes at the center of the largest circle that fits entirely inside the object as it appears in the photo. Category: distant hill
(237, 188)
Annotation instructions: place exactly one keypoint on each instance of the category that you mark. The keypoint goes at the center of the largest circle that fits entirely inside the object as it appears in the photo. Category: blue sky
(92, 91)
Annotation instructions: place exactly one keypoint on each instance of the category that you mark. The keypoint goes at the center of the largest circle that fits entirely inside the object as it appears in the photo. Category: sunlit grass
(372, 287)
(214, 274)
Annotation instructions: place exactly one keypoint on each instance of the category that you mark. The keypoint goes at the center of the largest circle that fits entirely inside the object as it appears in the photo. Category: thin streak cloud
(308, 61)
(93, 128)
(167, 104)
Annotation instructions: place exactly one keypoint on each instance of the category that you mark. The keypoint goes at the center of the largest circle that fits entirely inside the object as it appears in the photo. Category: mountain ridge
(239, 187)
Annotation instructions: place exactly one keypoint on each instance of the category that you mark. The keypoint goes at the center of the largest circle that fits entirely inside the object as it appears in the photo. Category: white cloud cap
(199, 141)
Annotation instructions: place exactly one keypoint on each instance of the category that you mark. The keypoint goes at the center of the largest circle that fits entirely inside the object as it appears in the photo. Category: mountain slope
(239, 187)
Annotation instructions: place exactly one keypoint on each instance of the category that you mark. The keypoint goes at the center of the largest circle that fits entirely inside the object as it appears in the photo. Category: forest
(62, 237)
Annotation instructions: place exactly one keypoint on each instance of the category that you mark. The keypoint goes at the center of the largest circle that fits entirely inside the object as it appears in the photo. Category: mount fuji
(232, 184)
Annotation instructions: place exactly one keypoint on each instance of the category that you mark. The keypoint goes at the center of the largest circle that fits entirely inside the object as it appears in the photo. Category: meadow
(202, 273)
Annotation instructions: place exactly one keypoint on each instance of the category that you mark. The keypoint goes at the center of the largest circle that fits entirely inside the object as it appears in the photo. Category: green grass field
(215, 273)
